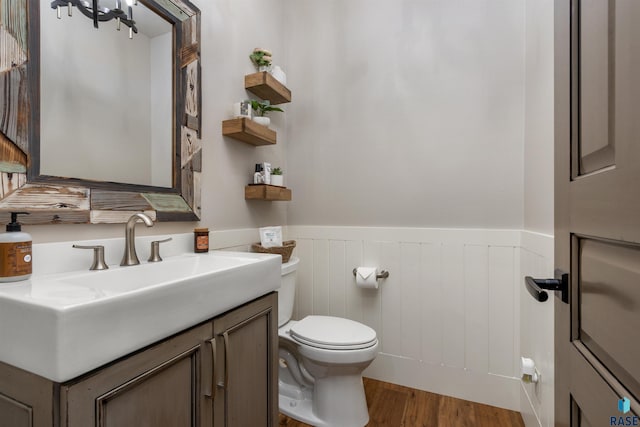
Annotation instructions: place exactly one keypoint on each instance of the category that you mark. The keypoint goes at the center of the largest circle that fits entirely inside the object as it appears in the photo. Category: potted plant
(262, 108)
(277, 178)
(261, 58)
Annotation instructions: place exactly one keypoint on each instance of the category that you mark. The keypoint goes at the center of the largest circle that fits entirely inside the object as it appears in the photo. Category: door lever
(538, 287)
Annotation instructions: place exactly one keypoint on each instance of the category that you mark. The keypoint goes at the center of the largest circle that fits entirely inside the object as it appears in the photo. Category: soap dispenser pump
(15, 251)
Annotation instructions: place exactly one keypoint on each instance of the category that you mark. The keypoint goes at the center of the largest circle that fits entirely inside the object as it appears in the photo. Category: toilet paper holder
(382, 275)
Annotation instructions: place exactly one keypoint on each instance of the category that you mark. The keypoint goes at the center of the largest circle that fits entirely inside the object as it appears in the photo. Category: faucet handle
(155, 250)
(98, 257)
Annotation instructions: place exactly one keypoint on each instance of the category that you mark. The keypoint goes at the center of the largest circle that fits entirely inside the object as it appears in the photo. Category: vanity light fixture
(99, 13)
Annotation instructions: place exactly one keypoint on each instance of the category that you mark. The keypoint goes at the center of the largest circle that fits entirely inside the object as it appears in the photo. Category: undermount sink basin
(60, 326)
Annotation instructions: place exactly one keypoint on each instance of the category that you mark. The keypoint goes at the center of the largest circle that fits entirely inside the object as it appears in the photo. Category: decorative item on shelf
(262, 108)
(270, 236)
(266, 173)
(285, 250)
(258, 177)
(277, 178)
(261, 58)
(100, 13)
(278, 74)
(242, 109)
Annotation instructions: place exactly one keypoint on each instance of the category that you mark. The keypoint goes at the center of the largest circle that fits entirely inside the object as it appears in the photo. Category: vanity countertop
(62, 325)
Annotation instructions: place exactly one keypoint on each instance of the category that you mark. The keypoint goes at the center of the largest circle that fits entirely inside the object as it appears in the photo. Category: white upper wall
(406, 113)
(539, 107)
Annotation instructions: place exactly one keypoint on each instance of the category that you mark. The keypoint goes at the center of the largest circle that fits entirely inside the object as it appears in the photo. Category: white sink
(60, 326)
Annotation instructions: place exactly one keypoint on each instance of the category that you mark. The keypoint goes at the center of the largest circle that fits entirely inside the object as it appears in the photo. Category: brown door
(597, 189)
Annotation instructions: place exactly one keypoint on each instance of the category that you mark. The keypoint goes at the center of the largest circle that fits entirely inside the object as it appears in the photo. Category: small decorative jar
(201, 240)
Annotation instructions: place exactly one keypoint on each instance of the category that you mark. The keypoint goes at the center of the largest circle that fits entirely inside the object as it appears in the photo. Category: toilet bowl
(321, 363)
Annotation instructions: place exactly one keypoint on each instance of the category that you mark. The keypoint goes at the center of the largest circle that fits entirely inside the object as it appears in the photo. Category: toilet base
(299, 409)
(338, 401)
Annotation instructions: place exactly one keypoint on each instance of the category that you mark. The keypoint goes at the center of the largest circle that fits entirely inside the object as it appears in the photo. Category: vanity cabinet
(222, 372)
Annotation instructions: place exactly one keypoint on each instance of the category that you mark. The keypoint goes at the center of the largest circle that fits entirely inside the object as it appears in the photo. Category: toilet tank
(287, 291)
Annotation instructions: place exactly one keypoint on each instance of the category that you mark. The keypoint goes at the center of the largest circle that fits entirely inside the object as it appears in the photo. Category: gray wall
(406, 113)
(538, 136)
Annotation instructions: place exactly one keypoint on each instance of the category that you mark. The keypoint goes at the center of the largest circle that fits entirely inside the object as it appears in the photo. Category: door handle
(538, 287)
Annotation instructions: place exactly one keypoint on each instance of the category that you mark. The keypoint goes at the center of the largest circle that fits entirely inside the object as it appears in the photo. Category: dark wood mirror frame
(54, 200)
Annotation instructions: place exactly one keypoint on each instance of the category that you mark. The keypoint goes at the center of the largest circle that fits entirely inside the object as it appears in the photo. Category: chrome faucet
(130, 257)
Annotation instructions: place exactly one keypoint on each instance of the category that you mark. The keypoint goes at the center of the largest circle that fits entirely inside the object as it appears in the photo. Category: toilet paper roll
(366, 277)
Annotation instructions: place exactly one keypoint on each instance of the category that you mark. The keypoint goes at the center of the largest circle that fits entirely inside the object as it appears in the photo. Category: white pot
(277, 180)
(265, 121)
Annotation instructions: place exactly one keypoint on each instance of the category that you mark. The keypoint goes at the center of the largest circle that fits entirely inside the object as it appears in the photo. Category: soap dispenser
(15, 251)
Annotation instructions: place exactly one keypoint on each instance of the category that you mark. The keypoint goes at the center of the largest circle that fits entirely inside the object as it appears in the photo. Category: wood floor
(392, 405)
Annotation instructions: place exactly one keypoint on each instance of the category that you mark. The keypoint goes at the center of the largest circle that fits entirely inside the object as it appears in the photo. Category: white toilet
(321, 363)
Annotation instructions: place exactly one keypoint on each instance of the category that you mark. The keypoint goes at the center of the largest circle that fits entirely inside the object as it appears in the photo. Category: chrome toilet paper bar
(383, 274)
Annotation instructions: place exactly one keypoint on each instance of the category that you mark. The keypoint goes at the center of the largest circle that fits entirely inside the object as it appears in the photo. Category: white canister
(279, 75)
(266, 172)
(242, 109)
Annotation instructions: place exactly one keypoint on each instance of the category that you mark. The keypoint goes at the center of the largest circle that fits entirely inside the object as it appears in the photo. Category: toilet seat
(333, 333)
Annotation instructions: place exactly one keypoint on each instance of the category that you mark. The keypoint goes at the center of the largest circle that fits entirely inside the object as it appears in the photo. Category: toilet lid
(334, 333)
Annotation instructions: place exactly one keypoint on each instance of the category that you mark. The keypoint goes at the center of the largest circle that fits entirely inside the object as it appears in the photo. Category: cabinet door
(246, 372)
(165, 385)
(26, 399)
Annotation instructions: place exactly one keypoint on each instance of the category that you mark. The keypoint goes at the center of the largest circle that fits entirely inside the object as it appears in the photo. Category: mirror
(106, 98)
(97, 126)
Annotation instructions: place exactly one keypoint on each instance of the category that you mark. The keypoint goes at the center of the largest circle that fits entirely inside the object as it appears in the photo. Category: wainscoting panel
(476, 307)
(431, 323)
(449, 312)
(452, 308)
(536, 332)
(304, 290)
(502, 311)
(410, 310)
(354, 300)
(320, 293)
(337, 279)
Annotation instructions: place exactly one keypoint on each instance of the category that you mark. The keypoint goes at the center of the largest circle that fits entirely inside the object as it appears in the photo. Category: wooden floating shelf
(263, 85)
(246, 130)
(266, 192)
